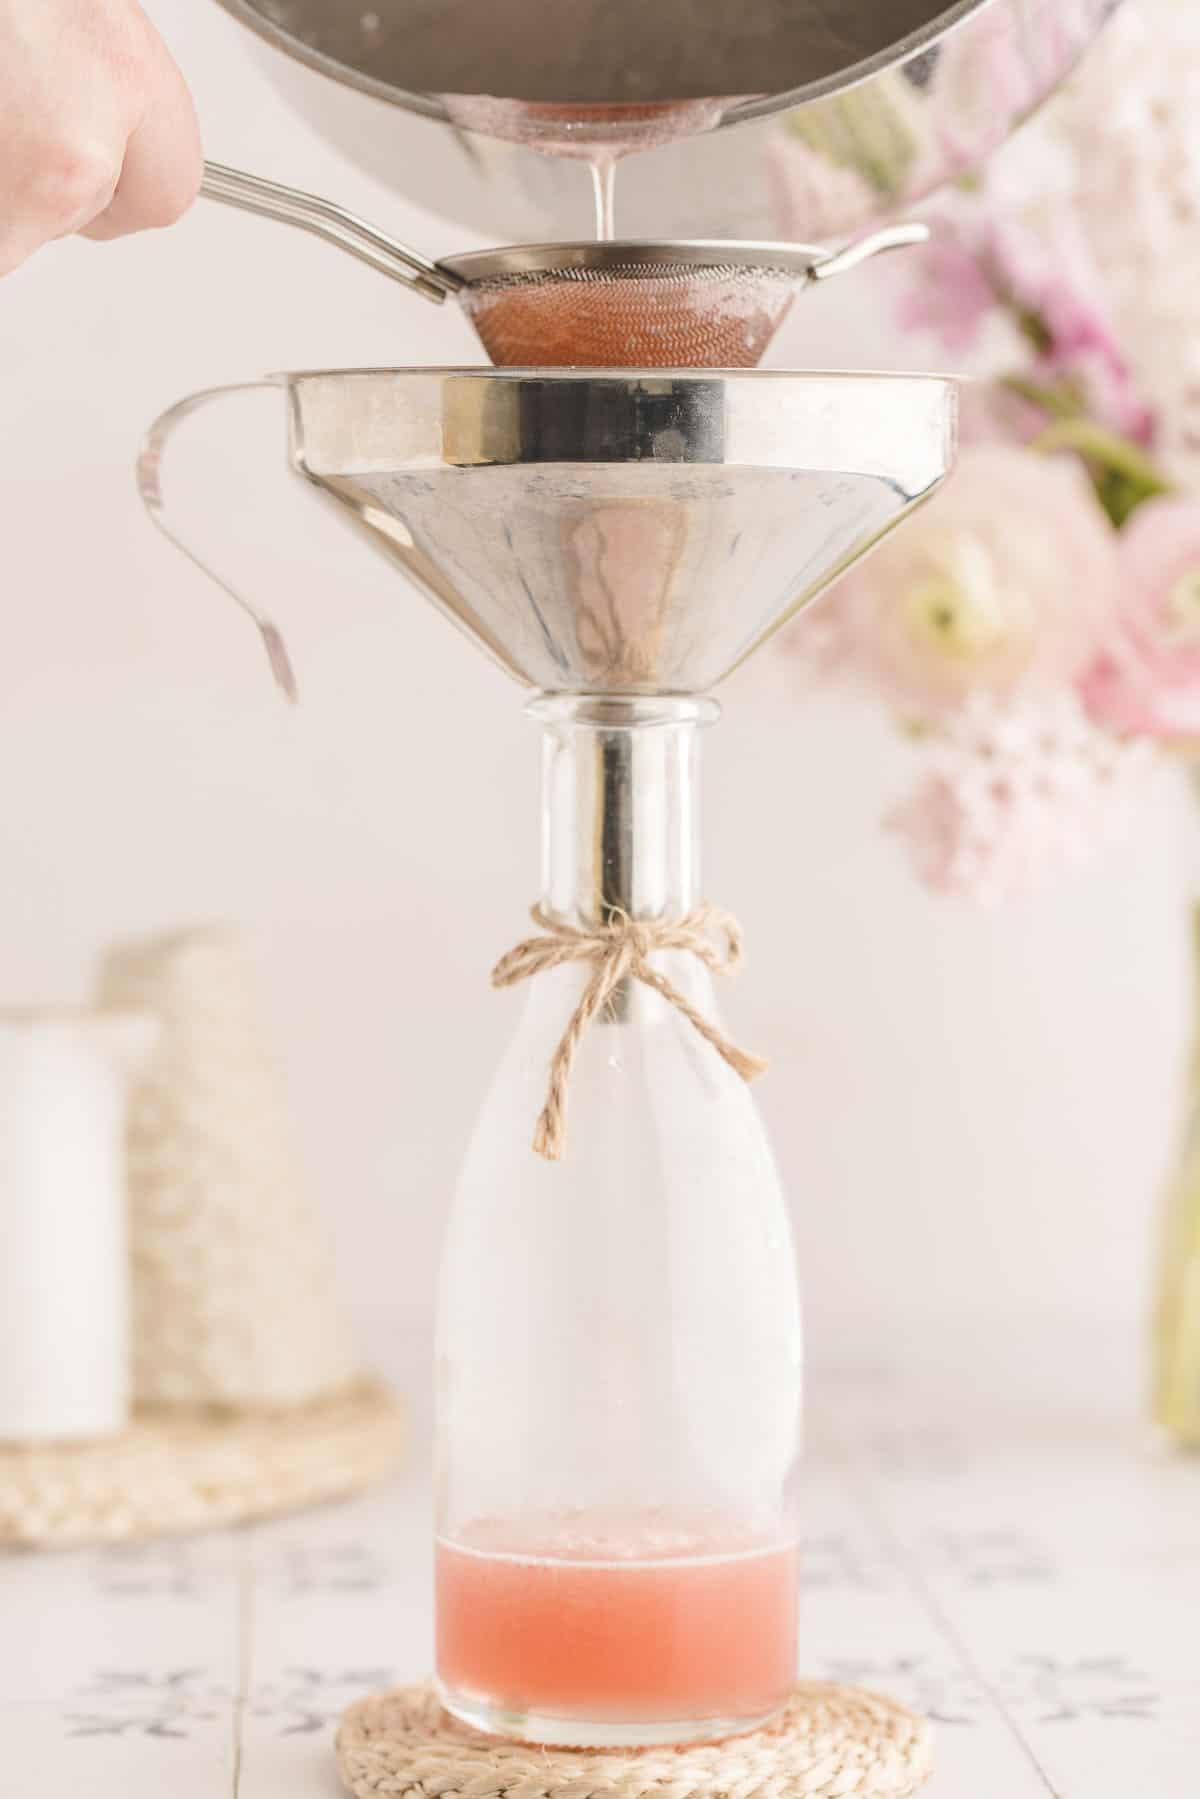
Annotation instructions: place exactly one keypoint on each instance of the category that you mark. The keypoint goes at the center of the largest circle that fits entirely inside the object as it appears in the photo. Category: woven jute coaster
(830, 1742)
(186, 1470)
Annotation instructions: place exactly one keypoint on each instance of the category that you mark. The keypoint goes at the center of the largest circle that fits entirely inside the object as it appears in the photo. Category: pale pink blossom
(1015, 791)
(984, 261)
(1006, 579)
(1083, 342)
(954, 295)
(1128, 130)
(1112, 164)
(1148, 681)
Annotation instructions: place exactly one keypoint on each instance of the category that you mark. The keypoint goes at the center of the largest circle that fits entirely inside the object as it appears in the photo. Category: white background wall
(972, 1111)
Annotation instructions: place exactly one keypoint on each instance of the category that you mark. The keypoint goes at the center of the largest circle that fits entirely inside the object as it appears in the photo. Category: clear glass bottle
(618, 1355)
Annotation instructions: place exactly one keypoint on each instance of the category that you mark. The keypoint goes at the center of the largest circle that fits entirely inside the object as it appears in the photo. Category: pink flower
(986, 259)
(1006, 579)
(1148, 681)
(1014, 792)
(1083, 344)
(954, 297)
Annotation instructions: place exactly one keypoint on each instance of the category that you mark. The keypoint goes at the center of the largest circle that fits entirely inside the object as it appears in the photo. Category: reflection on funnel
(623, 561)
(603, 533)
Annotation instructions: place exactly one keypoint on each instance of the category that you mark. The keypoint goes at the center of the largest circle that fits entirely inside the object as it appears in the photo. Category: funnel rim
(348, 423)
(564, 372)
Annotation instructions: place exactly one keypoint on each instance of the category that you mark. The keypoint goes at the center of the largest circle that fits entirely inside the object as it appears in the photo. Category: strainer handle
(345, 230)
(892, 237)
(152, 456)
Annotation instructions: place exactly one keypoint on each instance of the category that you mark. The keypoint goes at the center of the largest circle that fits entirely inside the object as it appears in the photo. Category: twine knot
(620, 949)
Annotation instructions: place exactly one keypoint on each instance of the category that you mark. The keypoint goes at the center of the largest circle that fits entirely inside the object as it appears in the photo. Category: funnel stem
(620, 807)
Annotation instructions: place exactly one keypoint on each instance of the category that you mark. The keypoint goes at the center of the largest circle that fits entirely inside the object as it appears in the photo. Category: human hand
(97, 130)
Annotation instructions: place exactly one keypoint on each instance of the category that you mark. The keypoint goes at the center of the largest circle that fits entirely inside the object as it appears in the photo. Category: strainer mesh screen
(668, 317)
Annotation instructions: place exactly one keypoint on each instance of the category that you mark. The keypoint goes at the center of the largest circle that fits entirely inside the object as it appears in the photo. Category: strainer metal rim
(623, 256)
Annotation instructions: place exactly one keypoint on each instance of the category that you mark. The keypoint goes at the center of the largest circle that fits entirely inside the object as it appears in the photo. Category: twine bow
(620, 950)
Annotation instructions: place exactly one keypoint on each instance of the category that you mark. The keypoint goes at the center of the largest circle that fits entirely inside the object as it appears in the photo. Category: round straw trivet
(187, 1470)
(830, 1741)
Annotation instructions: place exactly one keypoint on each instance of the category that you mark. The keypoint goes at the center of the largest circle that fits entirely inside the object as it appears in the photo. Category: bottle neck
(620, 806)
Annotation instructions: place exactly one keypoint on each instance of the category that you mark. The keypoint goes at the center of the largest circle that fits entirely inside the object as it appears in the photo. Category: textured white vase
(64, 1242)
(234, 1299)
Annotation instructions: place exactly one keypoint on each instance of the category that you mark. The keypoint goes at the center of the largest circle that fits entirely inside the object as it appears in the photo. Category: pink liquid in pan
(625, 1620)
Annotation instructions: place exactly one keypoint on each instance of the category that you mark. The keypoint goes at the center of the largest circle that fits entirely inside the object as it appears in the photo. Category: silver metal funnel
(622, 533)
(604, 532)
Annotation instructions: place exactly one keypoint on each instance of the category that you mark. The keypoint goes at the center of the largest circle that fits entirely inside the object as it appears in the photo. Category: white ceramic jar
(64, 1239)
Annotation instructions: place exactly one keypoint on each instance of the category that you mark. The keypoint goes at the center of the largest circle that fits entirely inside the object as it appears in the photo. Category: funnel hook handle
(345, 230)
(150, 487)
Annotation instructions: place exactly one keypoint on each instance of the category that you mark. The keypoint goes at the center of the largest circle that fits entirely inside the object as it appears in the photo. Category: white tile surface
(1003, 1550)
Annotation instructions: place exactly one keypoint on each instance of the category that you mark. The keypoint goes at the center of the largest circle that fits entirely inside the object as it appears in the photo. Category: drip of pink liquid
(597, 135)
(625, 1621)
(604, 174)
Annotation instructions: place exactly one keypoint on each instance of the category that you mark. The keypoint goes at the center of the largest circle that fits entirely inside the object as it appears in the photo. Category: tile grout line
(862, 1487)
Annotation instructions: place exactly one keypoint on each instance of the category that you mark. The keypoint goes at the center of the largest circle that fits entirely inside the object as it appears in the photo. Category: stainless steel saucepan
(847, 111)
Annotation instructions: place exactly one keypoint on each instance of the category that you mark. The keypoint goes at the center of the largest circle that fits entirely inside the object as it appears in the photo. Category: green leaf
(1124, 476)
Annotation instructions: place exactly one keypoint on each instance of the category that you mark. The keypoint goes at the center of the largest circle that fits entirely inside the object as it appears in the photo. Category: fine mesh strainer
(600, 304)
